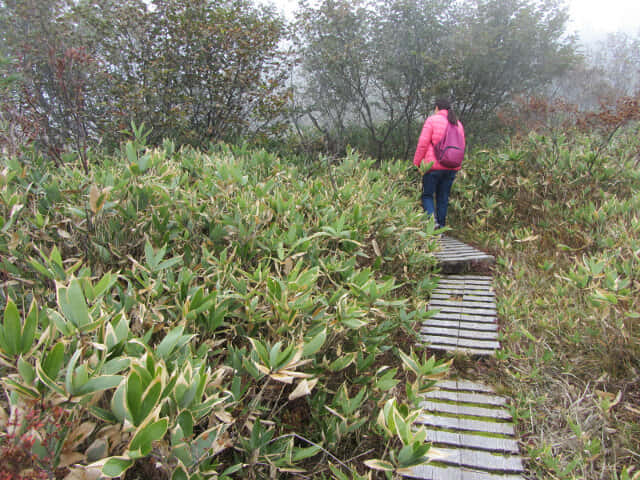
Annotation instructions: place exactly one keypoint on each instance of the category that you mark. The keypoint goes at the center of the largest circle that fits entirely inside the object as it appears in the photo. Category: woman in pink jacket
(439, 179)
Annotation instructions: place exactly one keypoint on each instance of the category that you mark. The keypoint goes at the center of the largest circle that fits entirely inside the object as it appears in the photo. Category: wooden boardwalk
(463, 316)
(468, 424)
(471, 434)
(455, 256)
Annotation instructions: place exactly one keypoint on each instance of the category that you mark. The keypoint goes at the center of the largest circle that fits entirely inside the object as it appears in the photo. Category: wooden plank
(438, 323)
(469, 276)
(457, 292)
(469, 440)
(458, 332)
(466, 310)
(435, 472)
(474, 297)
(476, 282)
(461, 342)
(463, 409)
(462, 279)
(462, 258)
(463, 317)
(453, 251)
(464, 298)
(466, 289)
(460, 251)
(477, 459)
(466, 424)
(467, 397)
(464, 385)
(465, 303)
(464, 350)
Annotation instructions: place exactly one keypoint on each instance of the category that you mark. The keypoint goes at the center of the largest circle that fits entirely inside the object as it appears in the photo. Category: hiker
(438, 180)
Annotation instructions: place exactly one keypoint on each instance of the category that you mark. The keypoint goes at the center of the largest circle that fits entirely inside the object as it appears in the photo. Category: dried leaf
(67, 459)
(83, 473)
(303, 388)
(78, 435)
(376, 248)
(94, 195)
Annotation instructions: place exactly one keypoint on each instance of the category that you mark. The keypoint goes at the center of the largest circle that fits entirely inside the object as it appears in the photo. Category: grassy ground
(564, 225)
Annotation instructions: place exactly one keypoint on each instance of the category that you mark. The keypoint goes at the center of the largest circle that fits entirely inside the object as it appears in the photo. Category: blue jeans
(438, 183)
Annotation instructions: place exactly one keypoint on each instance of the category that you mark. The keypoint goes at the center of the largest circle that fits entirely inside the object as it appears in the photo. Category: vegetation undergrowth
(181, 314)
(562, 217)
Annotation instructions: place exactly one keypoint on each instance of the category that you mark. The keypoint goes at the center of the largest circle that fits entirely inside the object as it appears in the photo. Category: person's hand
(425, 167)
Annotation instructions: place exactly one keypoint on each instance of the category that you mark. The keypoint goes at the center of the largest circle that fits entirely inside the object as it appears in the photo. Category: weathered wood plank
(467, 310)
(464, 350)
(460, 252)
(462, 258)
(461, 294)
(467, 397)
(488, 461)
(466, 424)
(433, 472)
(465, 303)
(463, 317)
(463, 409)
(439, 323)
(465, 385)
(470, 276)
(466, 289)
(459, 332)
(451, 292)
(465, 282)
(469, 440)
(461, 342)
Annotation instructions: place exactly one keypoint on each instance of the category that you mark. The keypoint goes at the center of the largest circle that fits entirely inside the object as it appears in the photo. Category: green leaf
(386, 381)
(315, 344)
(11, 329)
(150, 400)
(169, 263)
(27, 371)
(63, 326)
(179, 474)
(118, 403)
(302, 453)
(116, 466)
(145, 436)
(261, 350)
(165, 348)
(232, 469)
(49, 381)
(342, 362)
(69, 379)
(73, 304)
(53, 360)
(99, 384)
(133, 398)
(105, 283)
(29, 330)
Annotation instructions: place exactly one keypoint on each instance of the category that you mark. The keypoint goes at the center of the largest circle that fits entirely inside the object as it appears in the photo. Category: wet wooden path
(468, 424)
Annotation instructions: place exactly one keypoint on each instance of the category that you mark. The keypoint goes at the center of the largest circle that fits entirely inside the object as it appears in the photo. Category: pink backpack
(450, 150)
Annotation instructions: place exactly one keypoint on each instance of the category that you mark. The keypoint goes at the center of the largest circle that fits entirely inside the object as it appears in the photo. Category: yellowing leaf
(94, 195)
(379, 465)
(303, 388)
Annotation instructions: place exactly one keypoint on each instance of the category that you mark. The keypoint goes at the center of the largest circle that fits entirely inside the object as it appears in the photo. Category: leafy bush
(561, 215)
(192, 315)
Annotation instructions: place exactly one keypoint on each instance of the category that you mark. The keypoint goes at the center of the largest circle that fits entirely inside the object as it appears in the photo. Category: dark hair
(443, 104)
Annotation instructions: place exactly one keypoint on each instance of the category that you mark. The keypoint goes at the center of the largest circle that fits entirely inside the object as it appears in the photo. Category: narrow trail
(468, 424)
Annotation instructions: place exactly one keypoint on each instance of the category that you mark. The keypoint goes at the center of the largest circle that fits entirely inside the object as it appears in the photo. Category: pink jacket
(432, 132)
